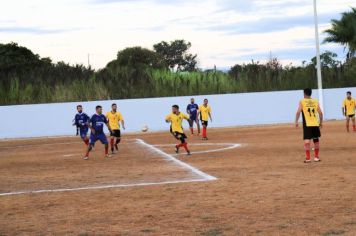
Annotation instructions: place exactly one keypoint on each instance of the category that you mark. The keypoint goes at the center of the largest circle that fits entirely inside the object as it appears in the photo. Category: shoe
(188, 153)
(86, 158)
(205, 138)
(317, 159)
(107, 155)
(113, 152)
(307, 161)
(177, 149)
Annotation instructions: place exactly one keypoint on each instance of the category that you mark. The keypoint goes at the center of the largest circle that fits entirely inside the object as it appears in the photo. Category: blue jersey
(81, 120)
(97, 122)
(192, 109)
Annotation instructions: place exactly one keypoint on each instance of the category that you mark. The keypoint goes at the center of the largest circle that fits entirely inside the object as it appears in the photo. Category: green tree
(327, 59)
(176, 55)
(343, 32)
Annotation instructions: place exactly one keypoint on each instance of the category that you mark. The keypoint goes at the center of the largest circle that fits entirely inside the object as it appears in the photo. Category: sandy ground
(263, 187)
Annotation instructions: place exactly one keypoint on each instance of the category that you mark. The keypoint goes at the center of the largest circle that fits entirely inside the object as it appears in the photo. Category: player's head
(114, 107)
(348, 94)
(307, 92)
(175, 109)
(192, 101)
(99, 109)
(206, 101)
(80, 108)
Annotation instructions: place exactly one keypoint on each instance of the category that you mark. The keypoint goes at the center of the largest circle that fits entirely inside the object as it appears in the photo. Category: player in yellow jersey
(114, 118)
(348, 110)
(176, 119)
(205, 114)
(312, 122)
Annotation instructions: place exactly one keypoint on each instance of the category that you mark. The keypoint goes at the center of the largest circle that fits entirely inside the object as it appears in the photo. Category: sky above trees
(222, 33)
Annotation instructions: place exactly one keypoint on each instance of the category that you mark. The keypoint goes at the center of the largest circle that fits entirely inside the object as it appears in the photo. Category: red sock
(106, 149)
(191, 130)
(179, 145)
(112, 143)
(354, 127)
(307, 150)
(204, 132)
(86, 141)
(185, 145)
(316, 149)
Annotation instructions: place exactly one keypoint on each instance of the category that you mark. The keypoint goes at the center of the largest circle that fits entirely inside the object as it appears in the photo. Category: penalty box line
(169, 157)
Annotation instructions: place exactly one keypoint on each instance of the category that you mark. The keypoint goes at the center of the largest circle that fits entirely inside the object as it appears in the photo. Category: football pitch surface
(242, 181)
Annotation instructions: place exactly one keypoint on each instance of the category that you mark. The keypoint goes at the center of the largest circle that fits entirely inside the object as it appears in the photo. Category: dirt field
(262, 187)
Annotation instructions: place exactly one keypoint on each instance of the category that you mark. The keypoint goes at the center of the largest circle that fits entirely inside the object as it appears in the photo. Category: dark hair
(348, 92)
(79, 106)
(176, 106)
(114, 104)
(308, 91)
(98, 106)
(205, 99)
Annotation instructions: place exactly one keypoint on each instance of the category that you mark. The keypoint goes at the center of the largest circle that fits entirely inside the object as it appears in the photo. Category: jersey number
(311, 112)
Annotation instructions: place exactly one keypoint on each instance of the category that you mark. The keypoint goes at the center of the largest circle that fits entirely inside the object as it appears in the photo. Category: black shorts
(178, 135)
(311, 132)
(115, 133)
(351, 116)
(204, 122)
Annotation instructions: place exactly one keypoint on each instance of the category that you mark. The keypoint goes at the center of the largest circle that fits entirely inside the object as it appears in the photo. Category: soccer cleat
(107, 156)
(317, 159)
(177, 149)
(205, 138)
(86, 158)
(113, 151)
(188, 153)
(307, 161)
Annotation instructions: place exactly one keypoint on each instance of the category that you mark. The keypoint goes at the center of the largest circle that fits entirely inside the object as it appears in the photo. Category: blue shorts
(83, 132)
(193, 117)
(96, 137)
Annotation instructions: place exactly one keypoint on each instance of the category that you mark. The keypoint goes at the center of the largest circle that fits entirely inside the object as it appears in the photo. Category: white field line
(178, 162)
(99, 187)
(230, 146)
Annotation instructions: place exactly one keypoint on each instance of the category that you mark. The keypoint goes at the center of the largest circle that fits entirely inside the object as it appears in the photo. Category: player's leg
(347, 123)
(198, 125)
(205, 125)
(92, 141)
(191, 124)
(307, 150)
(112, 140)
(104, 141)
(316, 149)
(184, 143)
(353, 124)
(84, 137)
(118, 139)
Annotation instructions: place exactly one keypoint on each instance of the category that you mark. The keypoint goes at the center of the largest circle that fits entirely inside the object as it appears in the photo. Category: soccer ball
(144, 128)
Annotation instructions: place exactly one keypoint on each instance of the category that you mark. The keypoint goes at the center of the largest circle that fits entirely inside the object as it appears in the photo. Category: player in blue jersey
(81, 121)
(96, 125)
(192, 110)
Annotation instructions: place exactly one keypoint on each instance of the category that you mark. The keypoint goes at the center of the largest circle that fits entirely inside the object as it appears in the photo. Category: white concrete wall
(228, 110)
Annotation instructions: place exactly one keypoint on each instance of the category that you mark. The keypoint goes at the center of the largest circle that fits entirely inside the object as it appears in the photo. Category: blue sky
(222, 33)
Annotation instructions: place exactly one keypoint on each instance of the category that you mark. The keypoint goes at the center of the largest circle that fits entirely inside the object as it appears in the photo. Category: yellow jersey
(176, 121)
(114, 119)
(310, 112)
(349, 106)
(204, 112)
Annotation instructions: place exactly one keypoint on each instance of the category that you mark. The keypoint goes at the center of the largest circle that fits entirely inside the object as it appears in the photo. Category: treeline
(141, 73)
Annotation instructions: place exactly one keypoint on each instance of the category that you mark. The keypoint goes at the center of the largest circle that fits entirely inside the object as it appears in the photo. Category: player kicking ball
(312, 122)
(192, 110)
(81, 121)
(205, 114)
(96, 125)
(176, 119)
(114, 118)
(348, 110)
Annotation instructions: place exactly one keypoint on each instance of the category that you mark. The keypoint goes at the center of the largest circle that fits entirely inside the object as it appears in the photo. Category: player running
(192, 110)
(312, 122)
(81, 121)
(96, 125)
(205, 114)
(176, 118)
(348, 110)
(114, 118)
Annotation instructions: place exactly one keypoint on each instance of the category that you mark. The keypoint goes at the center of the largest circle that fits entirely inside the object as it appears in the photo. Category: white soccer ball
(144, 128)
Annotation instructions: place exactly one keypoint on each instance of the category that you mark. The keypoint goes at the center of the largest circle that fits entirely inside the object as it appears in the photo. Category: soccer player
(96, 125)
(81, 121)
(192, 110)
(348, 110)
(176, 118)
(205, 114)
(312, 122)
(114, 118)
